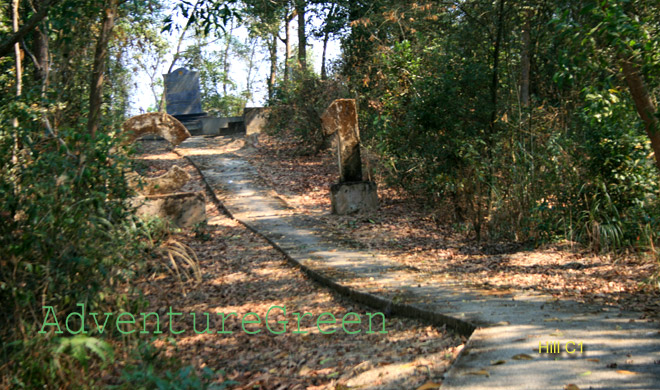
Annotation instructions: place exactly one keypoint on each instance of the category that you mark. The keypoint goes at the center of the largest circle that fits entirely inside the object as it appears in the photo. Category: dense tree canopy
(531, 120)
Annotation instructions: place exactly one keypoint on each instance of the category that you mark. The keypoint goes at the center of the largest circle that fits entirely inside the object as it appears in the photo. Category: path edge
(462, 327)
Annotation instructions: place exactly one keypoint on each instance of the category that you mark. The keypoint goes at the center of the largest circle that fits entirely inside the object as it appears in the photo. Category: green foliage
(62, 239)
(68, 234)
(205, 16)
(297, 108)
(227, 105)
(153, 371)
(61, 215)
(622, 194)
(146, 377)
(201, 231)
(575, 164)
(68, 237)
(56, 362)
(80, 345)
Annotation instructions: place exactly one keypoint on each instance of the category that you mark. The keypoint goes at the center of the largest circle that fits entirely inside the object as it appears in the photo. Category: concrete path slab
(517, 340)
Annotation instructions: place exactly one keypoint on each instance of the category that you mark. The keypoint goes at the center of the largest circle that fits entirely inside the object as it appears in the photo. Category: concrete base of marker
(353, 197)
(184, 209)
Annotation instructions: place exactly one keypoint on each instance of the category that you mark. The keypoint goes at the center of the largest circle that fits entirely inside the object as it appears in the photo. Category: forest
(510, 124)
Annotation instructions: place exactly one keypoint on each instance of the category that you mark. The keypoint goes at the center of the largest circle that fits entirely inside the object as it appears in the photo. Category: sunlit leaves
(205, 16)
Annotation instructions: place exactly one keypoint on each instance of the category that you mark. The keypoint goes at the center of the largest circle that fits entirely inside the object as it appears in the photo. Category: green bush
(63, 239)
(153, 371)
(297, 108)
(589, 179)
(61, 236)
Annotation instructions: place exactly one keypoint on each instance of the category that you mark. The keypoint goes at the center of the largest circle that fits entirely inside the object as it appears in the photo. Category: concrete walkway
(613, 349)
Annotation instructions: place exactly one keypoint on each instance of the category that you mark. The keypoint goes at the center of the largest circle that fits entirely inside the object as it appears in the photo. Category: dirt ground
(242, 273)
(404, 230)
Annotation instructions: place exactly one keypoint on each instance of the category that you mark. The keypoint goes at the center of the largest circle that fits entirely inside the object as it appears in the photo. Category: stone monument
(183, 97)
(351, 194)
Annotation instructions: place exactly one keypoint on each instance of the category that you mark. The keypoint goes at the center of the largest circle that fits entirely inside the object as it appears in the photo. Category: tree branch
(8, 45)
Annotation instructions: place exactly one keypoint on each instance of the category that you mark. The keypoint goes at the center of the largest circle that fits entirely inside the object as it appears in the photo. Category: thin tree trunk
(302, 36)
(41, 54)
(98, 71)
(19, 78)
(326, 38)
(496, 62)
(273, 67)
(287, 48)
(248, 81)
(644, 105)
(40, 48)
(225, 60)
(525, 60)
(478, 223)
(17, 53)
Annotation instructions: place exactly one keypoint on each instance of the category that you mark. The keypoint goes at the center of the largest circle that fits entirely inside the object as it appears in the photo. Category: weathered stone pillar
(351, 194)
(341, 119)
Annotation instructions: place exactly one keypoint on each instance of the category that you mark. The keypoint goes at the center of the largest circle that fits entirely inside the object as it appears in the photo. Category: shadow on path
(609, 348)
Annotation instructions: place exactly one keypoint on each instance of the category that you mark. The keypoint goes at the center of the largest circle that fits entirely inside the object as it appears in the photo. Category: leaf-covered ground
(242, 273)
(408, 231)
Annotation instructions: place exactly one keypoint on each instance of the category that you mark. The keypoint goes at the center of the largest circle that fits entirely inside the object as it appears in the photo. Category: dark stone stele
(182, 93)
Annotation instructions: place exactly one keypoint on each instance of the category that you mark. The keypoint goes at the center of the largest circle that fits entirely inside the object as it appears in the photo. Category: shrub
(298, 106)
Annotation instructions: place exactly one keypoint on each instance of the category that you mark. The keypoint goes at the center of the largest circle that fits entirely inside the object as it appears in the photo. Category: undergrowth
(68, 237)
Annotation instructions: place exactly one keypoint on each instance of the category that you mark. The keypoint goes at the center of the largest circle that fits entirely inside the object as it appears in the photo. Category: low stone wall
(222, 125)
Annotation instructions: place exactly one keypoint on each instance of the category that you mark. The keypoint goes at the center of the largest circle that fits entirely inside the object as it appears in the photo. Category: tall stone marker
(341, 119)
(182, 93)
(351, 194)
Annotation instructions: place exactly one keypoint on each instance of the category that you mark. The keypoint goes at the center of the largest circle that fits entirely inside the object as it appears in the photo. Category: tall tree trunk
(324, 73)
(42, 63)
(225, 60)
(17, 52)
(525, 60)
(98, 71)
(481, 214)
(644, 105)
(496, 62)
(41, 53)
(287, 47)
(273, 67)
(326, 37)
(40, 49)
(19, 77)
(302, 37)
(248, 82)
